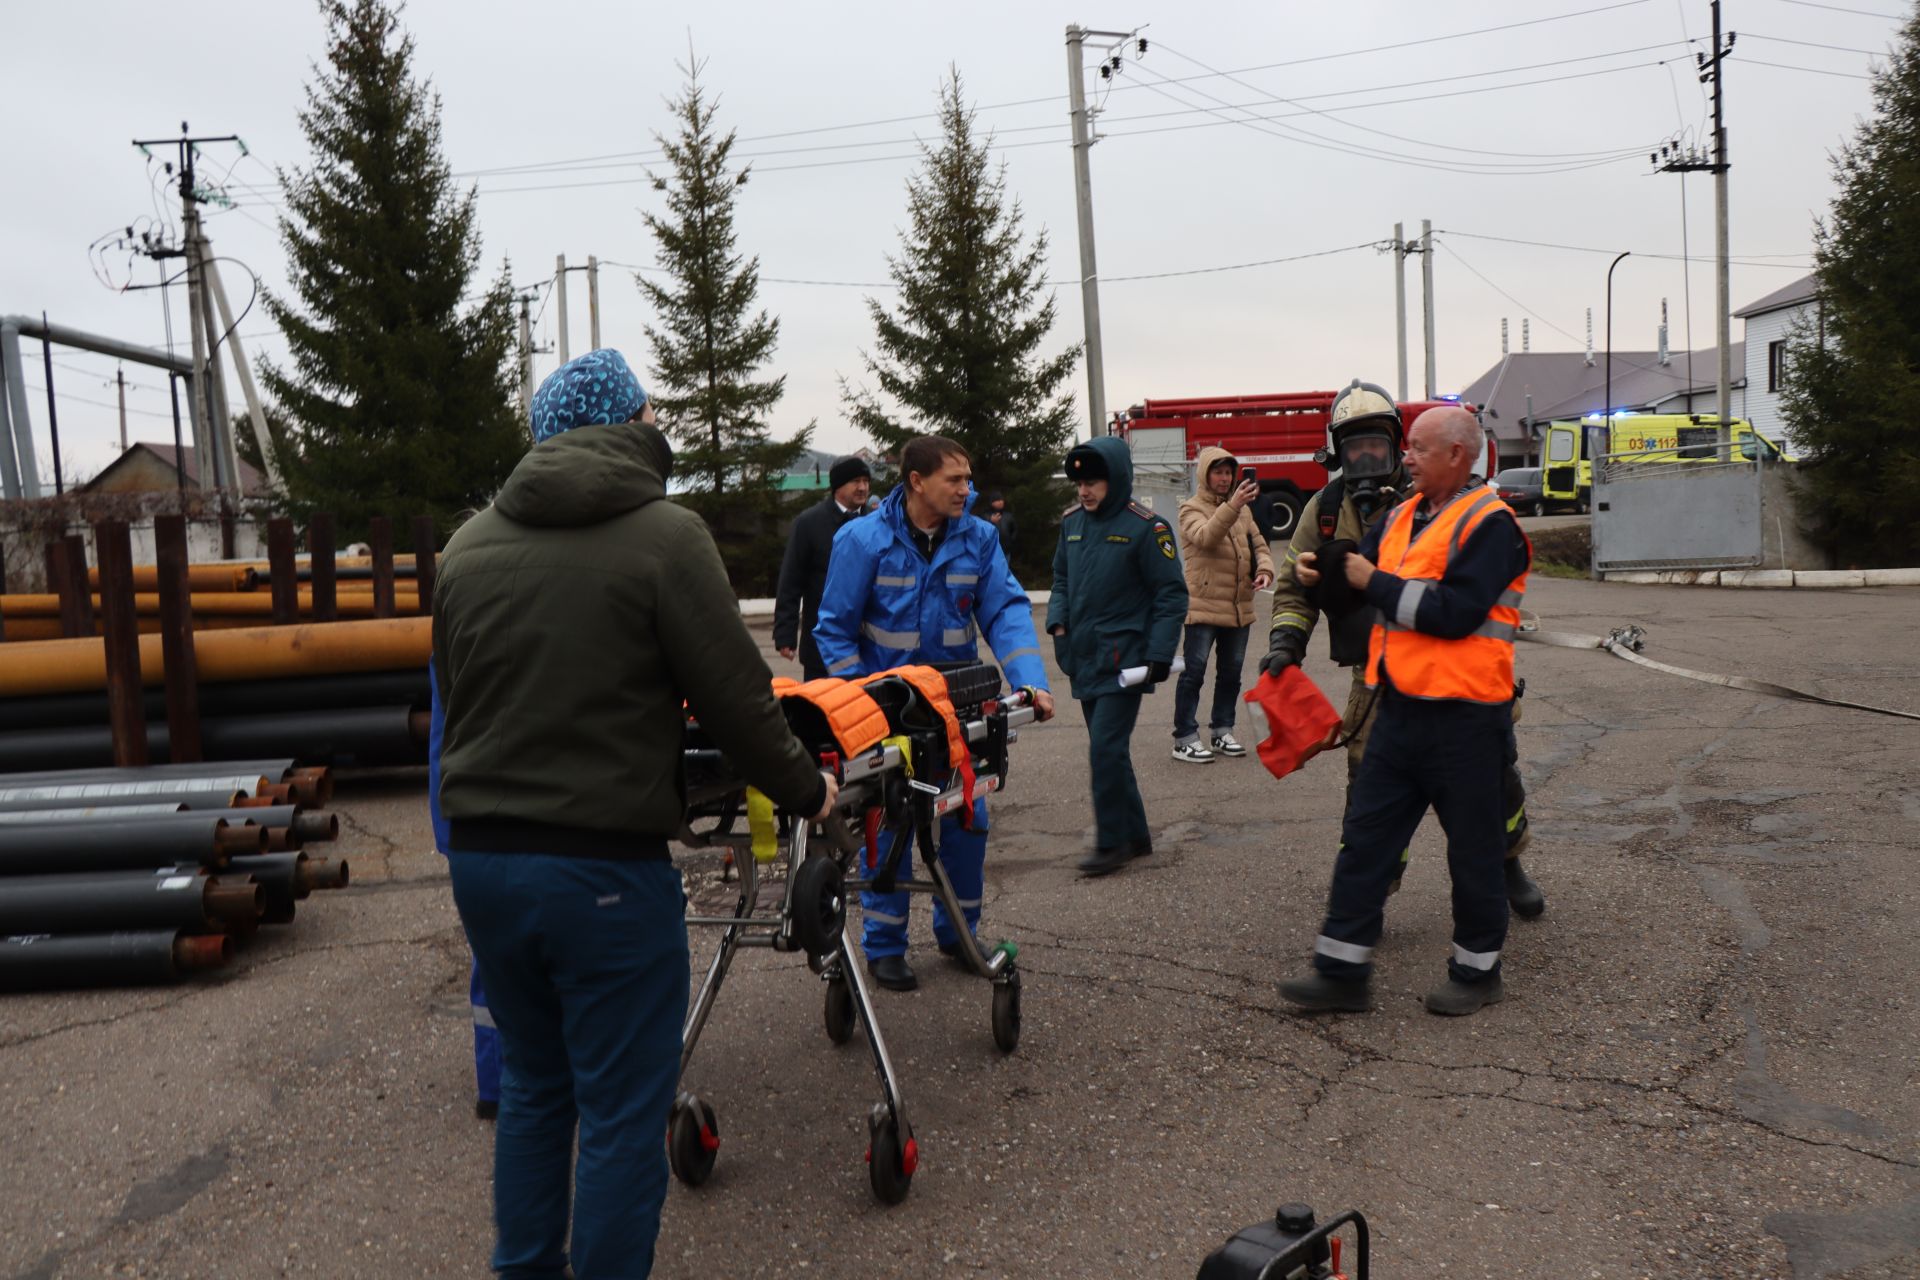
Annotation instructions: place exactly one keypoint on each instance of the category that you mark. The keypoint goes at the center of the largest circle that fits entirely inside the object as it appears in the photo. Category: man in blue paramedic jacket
(918, 582)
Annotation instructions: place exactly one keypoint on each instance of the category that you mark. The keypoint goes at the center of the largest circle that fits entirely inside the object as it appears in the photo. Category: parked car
(1520, 488)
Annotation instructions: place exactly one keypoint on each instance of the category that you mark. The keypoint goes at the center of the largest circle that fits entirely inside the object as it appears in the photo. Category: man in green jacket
(1115, 613)
(576, 623)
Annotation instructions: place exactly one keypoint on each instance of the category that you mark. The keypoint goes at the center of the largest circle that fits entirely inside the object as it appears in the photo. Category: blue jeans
(1203, 639)
(585, 966)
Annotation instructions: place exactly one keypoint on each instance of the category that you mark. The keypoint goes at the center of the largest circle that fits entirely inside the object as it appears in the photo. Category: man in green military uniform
(1365, 441)
(1118, 602)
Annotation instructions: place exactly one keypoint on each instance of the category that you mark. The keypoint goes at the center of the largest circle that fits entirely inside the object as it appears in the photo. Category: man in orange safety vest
(1445, 571)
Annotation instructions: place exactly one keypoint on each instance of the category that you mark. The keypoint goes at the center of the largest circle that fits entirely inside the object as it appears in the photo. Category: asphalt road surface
(1704, 1067)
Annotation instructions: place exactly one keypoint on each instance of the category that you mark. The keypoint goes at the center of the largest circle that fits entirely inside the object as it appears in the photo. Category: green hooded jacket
(571, 620)
(1117, 584)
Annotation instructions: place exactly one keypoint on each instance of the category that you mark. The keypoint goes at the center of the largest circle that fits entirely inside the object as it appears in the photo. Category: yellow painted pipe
(244, 653)
(230, 575)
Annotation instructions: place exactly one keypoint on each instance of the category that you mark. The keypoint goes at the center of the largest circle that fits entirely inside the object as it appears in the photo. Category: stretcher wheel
(1006, 1013)
(819, 904)
(693, 1140)
(891, 1160)
(839, 1010)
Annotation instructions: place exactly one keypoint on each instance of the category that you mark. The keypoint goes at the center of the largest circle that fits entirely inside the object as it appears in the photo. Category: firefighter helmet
(1363, 419)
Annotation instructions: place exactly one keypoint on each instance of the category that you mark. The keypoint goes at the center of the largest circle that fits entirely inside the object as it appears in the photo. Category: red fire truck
(1282, 437)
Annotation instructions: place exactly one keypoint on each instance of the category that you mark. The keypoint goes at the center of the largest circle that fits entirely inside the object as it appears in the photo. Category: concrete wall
(1784, 544)
(27, 527)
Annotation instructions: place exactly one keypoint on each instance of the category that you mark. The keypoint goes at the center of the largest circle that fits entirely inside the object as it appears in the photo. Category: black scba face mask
(1368, 459)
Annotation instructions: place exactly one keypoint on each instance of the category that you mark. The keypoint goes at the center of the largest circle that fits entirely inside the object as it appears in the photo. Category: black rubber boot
(1103, 862)
(1523, 895)
(486, 1109)
(893, 973)
(1317, 993)
(1455, 999)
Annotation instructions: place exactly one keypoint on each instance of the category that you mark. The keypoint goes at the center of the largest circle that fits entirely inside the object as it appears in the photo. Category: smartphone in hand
(1247, 476)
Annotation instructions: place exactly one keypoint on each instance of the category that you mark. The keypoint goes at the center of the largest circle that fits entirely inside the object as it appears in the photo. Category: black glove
(1285, 648)
(1158, 671)
(1333, 594)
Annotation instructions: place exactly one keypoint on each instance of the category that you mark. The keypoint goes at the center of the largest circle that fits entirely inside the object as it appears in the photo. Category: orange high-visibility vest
(1475, 668)
(854, 717)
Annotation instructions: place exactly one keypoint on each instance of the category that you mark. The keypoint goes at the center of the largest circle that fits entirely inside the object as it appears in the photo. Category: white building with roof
(1771, 323)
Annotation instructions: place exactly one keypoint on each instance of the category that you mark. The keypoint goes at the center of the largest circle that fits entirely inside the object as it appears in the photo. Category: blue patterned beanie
(590, 390)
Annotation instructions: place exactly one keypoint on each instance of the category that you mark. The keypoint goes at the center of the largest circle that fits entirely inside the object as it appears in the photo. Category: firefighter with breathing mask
(1365, 448)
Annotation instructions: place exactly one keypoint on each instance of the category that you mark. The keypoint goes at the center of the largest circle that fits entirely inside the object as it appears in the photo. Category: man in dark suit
(804, 572)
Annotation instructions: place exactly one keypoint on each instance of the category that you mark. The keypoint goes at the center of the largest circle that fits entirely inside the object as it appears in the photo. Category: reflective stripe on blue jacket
(884, 606)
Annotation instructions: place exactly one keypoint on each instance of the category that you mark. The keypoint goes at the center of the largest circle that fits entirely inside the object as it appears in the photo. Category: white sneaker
(1224, 744)
(1193, 753)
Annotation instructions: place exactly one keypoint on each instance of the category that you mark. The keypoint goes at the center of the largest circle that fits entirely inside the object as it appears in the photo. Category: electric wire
(1788, 66)
(1834, 8)
(1515, 159)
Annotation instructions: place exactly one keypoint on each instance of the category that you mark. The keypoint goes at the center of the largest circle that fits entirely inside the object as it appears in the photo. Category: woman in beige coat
(1226, 562)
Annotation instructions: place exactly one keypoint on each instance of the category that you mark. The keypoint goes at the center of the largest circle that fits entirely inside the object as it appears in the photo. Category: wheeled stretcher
(944, 742)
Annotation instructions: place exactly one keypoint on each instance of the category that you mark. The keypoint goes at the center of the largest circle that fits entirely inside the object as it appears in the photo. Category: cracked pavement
(1704, 1066)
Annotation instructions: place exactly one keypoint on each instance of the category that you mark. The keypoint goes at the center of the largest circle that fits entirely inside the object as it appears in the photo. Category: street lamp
(1608, 406)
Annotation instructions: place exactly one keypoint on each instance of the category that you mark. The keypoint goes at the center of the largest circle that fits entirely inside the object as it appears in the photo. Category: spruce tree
(1855, 372)
(960, 354)
(400, 399)
(709, 343)
(710, 339)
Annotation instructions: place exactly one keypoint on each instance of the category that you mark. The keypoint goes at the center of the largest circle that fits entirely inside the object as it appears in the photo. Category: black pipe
(38, 962)
(287, 878)
(262, 579)
(342, 735)
(235, 698)
(159, 812)
(106, 901)
(306, 824)
(70, 847)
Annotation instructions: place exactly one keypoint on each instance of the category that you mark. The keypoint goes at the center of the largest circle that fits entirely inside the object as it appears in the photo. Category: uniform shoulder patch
(1141, 511)
(1163, 538)
(1071, 507)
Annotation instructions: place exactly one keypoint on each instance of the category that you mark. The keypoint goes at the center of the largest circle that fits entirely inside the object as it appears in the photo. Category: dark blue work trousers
(1119, 814)
(585, 966)
(1447, 756)
(1202, 640)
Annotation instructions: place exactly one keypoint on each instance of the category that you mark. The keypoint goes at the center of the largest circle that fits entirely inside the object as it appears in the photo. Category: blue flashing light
(1454, 399)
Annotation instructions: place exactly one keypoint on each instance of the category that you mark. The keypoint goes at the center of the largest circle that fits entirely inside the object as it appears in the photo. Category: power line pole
(526, 356)
(560, 305)
(255, 414)
(1674, 158)
(1083, 140)
(1400, 302)
(207, 395)
(593, 301)
(1426, 292)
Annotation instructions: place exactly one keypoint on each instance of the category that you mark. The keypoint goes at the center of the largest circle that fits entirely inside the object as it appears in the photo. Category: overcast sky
(1537, 131)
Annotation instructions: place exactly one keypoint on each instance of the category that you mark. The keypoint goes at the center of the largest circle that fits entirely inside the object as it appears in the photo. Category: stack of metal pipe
(112, 877)
(375, 717)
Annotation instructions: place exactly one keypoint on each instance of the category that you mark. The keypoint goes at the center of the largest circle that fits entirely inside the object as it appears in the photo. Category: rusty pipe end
(274, 793)
(233, 898)
(316, 826)
(323, 873)
(254, 802)
(283, 840)
(246, 838)
(202, 952)
(320, 780)
(309, 793)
